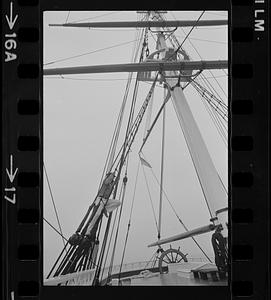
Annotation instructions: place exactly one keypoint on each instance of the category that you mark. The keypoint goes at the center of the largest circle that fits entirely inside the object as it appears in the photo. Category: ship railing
(78, 278)
(130, 267)
(86, 277)
(141, 265)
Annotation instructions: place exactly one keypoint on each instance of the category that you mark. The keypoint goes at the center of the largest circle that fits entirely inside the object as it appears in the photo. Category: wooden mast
(179, 101)
(211, 185)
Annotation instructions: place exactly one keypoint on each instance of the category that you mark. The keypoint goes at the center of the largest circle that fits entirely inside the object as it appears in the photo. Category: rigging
(53, 201)
(83, 245)
(90, 52)
(174, 210)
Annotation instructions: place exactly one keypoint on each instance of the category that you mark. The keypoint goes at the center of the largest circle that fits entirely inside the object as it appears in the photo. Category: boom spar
(141, 67)
(145, 24)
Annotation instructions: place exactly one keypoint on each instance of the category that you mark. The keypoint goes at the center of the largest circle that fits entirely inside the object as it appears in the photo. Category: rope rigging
(204, 40)
(147, 125)
(156, 223)
(130, 218)
(175, 212)
(151, 259)
(162, 168)
(118, 225)
(178, 219)
(173, 38)
(110, 166)
(216, 122)
(125, 97)
(87, 53)
(95, 17)
(109, 243)
(112, 231)
(150, 197)
(225, 72)
(73, 259)
(131, 131)
(217, 110)
(222, 129)
(136, 123)
(191, 30)
(199, 179)
(210, 71)
(63, 237)
(215, 103)
(109, 273)
(115, 137)
(134, 127)
(79, 255)
(53, 201)
(202, 75)
(67, 16)
(154, 121)
(204, 80)
(148, 117)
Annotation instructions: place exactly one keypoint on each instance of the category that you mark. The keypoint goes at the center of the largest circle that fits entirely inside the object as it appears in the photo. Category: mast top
(148, 11)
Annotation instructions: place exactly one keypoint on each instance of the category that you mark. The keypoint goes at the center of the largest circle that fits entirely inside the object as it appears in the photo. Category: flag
(112, 204)
(145, 163)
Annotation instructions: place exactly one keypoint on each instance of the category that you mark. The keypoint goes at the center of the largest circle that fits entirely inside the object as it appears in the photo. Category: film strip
(22, 176)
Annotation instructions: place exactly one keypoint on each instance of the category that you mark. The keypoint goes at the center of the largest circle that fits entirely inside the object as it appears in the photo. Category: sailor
(107, 186)
(220, 250)
(75, 239)
(102, 203)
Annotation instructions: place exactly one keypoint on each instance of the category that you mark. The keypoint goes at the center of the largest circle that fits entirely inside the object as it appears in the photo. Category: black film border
(22, 176)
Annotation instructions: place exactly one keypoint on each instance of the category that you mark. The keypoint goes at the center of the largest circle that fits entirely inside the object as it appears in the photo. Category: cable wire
(215, 121)
(129, 222)
(190, 30)
(95, 17)
(63, 237)
(87, 53)
(203, 40)
(53, 201)
(67, 16)
(149, 193)
(175, 212)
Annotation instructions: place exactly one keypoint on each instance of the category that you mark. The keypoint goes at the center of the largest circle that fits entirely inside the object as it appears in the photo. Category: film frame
(23, 151)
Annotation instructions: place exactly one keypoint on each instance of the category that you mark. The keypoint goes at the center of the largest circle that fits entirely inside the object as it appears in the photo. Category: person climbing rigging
(102, 203)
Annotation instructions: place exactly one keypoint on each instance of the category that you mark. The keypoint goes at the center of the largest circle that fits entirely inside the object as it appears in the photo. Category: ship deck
(187, 274)
(173, 279)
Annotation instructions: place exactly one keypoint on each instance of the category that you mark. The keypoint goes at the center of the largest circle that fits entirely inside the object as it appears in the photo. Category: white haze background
(79, 118)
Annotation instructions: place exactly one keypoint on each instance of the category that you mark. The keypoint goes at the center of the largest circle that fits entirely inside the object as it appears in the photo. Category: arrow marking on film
(10, 20)
(10, 173)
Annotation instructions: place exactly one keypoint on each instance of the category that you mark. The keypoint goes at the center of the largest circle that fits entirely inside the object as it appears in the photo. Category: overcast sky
(80, 112)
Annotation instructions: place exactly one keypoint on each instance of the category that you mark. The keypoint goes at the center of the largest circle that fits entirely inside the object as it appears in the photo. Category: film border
(22, 147)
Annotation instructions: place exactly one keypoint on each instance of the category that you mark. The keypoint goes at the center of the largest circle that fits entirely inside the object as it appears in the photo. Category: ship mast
(172, 71)
(211, 184)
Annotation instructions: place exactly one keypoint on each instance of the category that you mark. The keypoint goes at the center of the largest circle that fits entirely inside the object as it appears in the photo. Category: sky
(80, 112)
